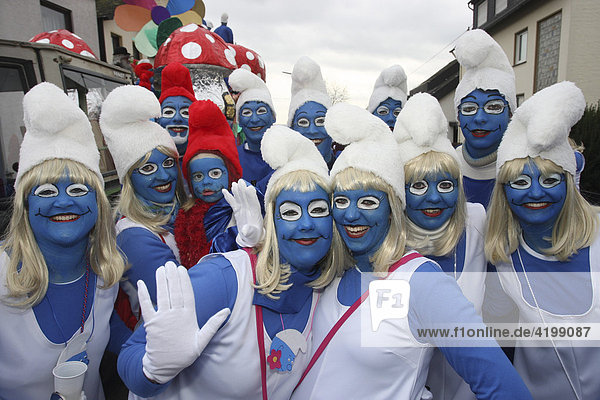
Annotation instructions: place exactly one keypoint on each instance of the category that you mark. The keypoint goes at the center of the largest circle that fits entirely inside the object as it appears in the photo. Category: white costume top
(540, 367)
(443, 381)
(27, 357)
(229, 367)
(130, 288)
(346, 370)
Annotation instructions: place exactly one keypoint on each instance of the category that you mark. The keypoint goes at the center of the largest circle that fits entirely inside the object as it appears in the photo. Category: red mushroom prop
(209, 59)
(65, 39)
(193, 44)
(250, 60)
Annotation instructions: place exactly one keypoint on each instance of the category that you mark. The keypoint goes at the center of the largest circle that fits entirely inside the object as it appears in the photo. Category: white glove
(246, 210)
(173, 339)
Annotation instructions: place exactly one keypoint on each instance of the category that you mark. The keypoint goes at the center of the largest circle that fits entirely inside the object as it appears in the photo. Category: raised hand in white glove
(246, 210)
(173, 339)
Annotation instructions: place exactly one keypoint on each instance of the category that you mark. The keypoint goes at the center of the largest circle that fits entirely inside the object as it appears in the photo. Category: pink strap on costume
(336, 327)
(260, 333)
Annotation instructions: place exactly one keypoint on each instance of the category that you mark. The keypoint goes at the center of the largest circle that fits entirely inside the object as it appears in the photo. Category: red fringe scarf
(190, 234)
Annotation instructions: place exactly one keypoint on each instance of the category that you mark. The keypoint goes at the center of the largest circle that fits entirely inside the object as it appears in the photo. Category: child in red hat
(210, 164)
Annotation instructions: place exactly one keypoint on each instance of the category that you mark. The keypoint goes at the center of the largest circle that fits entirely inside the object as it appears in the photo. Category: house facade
(547, 41)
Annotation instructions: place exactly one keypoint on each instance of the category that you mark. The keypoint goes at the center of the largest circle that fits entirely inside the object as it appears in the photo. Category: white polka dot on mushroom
(246, 66)
(191, 50)
(44, 40)
(67, 43)
(230, 56)
(77, 36)
(87, 54)
(189, 28)
(249, 55)
(167, 42)
(210, 38)
(260, 62)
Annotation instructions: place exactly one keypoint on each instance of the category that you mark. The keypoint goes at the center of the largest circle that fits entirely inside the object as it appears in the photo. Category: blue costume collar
(291, 300)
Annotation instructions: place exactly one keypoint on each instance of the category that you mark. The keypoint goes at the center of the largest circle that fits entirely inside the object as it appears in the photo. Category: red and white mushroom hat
(193, 44)
(65, 39)
(249, 59)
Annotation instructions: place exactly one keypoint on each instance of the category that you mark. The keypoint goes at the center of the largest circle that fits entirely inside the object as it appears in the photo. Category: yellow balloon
(190, 17)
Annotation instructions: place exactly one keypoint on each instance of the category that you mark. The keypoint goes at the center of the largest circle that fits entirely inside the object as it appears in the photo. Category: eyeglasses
(493, 107)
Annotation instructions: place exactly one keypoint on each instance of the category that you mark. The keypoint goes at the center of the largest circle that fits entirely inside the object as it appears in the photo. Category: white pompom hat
(370, 145)
(55, 128)
(285, 150)
(126, 124)
(421, 127)
(390, 83)
(486, 67)
(541, 126)
(251, 88)
(307, 85)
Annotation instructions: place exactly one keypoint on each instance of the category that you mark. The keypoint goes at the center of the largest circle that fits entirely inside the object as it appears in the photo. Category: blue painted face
(309, 121)
(388, 111)
(209, 176)
(174, 118)
(254, 119)
(483, 117)
(432, 201)
(63, 213)
(363, 219)
(155, 181)
(536, 200)
(304, 227)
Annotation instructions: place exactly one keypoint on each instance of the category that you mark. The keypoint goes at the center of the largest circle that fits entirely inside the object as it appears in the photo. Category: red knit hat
(176, 81)
(209, 132)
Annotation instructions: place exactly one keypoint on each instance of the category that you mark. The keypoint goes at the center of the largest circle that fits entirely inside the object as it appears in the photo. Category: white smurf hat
(422, 127)
(55, 128)
(541, 126)
(126, 124)
(285, 150)
(251, 88)
(486, 67)
(307, 85)
(390, 83)
(370, 146)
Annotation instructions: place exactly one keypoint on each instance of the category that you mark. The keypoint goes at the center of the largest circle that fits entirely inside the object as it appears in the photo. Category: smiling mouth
(432, 212)
(208, 193)
(163, 188)
(356, 231)
(306, 241)
(537, 206)
(64, 217)
(256, 128)
(317, 141)
(480, 133)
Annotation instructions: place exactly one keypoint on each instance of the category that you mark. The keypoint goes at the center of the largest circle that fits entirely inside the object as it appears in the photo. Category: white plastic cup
(68, 379)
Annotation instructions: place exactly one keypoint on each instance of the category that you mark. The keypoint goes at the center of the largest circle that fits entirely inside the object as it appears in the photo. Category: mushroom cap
(193, 44)
(65, 39)
(249, 59)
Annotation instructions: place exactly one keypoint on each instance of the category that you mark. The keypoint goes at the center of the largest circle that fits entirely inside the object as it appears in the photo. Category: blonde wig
(394, 245)
(271, 274)
(27, 286)
(419, 168)
(132, 207)
(575, 227)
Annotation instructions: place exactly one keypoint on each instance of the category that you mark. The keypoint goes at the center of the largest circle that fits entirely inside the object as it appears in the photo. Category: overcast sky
(352, 43)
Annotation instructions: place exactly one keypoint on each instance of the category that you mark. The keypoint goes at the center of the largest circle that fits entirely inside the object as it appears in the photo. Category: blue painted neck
(65, 264)
(253, 146)
(363, 262)
(537, 236)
